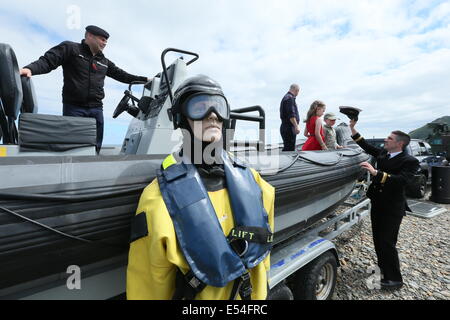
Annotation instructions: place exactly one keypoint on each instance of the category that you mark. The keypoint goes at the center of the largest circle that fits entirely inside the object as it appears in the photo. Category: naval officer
(395, 169)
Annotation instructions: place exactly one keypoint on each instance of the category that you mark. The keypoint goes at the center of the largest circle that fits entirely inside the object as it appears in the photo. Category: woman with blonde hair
(314, 128)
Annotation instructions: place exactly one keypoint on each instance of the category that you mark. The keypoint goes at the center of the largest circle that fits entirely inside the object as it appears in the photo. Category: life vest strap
(187, 286)
(242, 285)
(251, 234)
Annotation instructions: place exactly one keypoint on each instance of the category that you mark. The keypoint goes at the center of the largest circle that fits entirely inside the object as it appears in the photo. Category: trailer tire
(280, 292)
(317, 280)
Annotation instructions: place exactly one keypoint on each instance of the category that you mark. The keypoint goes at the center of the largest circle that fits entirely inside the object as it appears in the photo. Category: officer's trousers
(288, 136)
(385, 229)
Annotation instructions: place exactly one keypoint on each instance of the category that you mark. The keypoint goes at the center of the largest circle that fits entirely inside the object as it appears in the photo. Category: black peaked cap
(96, 31)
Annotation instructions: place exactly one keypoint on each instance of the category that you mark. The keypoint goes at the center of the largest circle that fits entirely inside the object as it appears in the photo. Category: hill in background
(425, 132)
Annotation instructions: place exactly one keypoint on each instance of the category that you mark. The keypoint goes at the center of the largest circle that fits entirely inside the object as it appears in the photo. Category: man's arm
(404, 177)
(295, 124)
(372, 150)
(328, 139)
(51, 60)
(290, 106)
(118, 74)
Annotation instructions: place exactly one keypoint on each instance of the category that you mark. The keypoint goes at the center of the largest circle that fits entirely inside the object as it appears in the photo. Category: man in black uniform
(84, 68)
(290, 118)
(387, 194)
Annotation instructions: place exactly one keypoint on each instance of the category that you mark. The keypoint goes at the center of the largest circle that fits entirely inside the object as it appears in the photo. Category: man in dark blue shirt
(290, 118)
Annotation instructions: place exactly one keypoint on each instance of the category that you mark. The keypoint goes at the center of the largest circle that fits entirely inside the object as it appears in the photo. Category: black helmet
(199, 86)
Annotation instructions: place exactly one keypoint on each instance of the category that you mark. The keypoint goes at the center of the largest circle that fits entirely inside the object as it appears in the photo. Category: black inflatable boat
(62, 205)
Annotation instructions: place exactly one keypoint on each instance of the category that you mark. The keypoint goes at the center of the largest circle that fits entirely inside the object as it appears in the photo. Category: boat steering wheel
(122, 106)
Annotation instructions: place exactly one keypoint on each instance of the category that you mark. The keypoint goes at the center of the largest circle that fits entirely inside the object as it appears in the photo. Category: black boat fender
(29, 104)
(10, 92)
(10, 83)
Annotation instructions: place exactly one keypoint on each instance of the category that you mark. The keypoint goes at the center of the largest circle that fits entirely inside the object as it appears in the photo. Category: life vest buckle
(245, 290)
(194, 282)
(239, 246)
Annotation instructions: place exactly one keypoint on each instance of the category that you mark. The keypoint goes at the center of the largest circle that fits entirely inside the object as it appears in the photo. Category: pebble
(424, 253)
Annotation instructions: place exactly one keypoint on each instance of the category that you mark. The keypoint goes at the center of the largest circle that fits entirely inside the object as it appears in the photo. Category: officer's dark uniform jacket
(288, 110)
(84, 74)
(387, 191)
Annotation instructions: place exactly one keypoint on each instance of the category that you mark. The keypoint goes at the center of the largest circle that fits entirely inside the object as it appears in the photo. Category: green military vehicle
(440, 139)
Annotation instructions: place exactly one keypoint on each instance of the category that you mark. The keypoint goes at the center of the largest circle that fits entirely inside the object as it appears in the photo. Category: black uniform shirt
(84, 73)
(289, 109)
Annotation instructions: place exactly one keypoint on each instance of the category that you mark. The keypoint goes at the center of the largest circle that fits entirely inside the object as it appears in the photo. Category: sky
(390, 58)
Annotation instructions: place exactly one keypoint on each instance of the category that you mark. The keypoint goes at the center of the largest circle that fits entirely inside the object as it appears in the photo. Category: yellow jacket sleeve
(150, 274)
(268, 195)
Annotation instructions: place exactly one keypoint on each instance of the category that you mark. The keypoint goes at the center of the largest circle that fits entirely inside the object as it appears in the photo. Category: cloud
(388, 57)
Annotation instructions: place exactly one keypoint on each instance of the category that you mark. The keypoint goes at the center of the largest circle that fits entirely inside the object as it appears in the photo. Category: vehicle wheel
(418, 189)
(280, 292)
(317, 280)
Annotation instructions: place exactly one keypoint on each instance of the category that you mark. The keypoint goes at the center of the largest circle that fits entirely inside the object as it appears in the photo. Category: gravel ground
(423, 248)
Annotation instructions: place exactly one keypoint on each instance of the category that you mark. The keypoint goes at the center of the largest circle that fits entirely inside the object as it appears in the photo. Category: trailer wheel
(317, 280)
(280, 292)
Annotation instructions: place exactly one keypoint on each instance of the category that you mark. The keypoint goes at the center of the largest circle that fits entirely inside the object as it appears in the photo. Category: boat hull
(94, 198)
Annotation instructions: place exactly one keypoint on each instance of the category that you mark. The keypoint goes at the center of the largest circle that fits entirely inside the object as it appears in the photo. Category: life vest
(209, 253)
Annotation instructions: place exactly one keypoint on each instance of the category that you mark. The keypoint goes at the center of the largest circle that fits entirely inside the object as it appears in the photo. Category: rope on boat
(71, 198)
(299, 156)
(97, 242)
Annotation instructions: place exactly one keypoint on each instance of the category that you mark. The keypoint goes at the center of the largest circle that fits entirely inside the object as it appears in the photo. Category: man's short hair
(294, 87)
(402, 137)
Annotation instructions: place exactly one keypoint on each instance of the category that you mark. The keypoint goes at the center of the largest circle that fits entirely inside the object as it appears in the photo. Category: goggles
(199, 106)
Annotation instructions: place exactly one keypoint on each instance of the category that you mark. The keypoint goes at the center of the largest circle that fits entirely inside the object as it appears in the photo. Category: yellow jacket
(154, 259)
